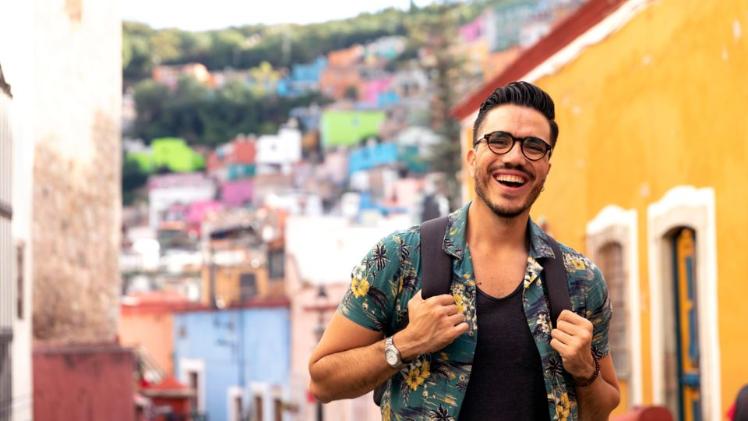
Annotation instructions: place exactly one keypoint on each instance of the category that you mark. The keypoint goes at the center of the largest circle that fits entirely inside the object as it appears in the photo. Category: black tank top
(506, 382)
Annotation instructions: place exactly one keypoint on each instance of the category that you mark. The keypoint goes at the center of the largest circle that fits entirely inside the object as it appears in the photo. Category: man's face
(509, 184)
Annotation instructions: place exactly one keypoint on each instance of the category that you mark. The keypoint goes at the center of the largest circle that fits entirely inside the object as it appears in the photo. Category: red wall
(83, 383)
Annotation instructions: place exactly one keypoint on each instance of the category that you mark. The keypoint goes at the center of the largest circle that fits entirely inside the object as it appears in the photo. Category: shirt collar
(539, 242)
(455, 237)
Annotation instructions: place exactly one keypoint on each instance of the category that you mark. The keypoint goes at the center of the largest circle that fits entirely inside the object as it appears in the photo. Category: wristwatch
(392, 354)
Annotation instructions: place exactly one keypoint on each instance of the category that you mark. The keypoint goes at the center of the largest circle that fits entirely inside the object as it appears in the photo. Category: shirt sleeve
(370, 298)
(599, 313)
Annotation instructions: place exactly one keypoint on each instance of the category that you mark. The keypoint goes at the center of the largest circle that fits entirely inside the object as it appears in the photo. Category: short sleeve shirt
(432, 386)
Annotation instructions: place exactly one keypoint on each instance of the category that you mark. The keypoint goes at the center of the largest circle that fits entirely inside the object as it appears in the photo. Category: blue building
(303, 78)
(237, 359)
(371, 156)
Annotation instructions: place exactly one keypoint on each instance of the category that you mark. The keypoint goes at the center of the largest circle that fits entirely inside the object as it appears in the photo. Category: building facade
(63, 63)
(7, 255)
(236, 360)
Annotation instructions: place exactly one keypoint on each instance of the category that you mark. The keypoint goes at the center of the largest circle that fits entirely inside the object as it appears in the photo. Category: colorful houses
(647, 179)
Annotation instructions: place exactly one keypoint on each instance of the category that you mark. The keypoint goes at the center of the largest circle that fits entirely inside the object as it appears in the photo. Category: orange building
(146, 324)
(341, 76)
(648, 179)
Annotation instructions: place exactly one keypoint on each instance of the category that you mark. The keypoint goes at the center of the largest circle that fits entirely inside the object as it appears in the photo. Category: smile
(510, 180)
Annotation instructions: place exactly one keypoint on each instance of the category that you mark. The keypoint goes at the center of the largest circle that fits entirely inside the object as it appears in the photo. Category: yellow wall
(660, 103)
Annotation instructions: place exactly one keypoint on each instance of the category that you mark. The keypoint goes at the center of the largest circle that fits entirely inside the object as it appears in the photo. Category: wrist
(590, 375)
(407, 347)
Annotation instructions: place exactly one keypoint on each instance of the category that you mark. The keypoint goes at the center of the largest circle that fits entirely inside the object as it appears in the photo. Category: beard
(508, 212)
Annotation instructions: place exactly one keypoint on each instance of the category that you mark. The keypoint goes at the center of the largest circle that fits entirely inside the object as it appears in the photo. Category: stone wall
(76, 171)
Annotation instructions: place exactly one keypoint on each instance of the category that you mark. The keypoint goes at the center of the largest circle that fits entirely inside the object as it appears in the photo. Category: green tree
(435, 29)
(133, 178)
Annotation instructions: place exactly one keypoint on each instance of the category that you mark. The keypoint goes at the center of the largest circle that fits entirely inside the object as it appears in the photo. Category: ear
(470, 158)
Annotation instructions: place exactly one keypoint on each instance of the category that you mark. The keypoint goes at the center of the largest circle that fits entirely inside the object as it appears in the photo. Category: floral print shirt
(432, 386)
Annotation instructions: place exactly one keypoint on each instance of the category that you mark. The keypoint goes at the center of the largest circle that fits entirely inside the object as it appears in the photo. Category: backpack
(436, 276)
(741, 405)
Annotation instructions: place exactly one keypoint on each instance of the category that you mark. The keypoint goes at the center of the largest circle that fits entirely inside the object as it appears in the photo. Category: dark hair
(520, 93)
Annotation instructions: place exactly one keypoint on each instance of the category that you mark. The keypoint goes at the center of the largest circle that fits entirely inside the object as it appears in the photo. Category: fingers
(560, 347)
(450, 310)
(456, 319)
(562, 336)
(460, 329)
(443, 299)
(583, 331)
(574, 319)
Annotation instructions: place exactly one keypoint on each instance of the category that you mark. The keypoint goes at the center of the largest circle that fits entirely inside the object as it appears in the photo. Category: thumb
(417, 297)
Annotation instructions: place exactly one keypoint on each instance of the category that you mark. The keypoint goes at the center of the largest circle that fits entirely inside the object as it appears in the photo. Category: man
(488, 350)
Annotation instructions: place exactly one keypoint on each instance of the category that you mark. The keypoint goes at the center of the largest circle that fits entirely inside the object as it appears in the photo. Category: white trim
(264, 390)
(232, 393)
(592, 36)
(194, 365)
(612, 217)
(694, 208)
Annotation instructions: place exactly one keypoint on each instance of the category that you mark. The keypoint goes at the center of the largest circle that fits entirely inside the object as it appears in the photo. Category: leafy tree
(204, 116)
(436, 31)
(133, 178)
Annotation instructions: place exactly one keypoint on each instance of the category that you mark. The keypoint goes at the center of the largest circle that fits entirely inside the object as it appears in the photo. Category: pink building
(197, 212)
(237, 193)
(474, 30)
(372, 89)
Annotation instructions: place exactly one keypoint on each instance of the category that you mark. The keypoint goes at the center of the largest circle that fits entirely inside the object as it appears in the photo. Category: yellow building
(649, 179)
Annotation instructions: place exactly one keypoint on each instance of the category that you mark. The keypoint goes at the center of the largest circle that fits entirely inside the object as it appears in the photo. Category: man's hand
(432, 324)
(572, 338)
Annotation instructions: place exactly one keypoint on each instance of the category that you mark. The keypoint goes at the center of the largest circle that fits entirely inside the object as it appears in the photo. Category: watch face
(391, 358)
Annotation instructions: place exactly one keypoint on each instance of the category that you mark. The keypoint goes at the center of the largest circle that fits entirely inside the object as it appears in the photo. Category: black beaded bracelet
(592, 378)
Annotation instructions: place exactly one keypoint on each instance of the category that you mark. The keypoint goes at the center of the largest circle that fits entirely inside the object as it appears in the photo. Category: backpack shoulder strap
(436, 271)
(557, 288)
(436, 265)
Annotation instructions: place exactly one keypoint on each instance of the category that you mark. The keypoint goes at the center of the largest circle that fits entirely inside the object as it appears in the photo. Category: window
(238, 407)
(19, 280)
(610, 261)
(258, 408)
(194, 381)
(612, 244)
(278, 407)
(247, 286)
(276, 264)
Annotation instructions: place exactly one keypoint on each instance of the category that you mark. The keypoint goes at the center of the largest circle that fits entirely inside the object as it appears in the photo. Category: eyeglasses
(500, 143)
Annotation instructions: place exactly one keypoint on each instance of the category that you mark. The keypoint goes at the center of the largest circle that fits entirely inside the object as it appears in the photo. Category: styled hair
(524, 94)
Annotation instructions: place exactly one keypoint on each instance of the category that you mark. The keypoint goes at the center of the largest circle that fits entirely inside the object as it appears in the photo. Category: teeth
(510, 178)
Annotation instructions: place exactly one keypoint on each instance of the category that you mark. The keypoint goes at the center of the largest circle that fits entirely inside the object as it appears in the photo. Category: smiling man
(488, 350)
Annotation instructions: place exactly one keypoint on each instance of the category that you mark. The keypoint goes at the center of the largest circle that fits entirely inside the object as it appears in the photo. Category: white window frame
(269, 393)
(615, 224)
(194, 365)
(686, 206)
(231, 395)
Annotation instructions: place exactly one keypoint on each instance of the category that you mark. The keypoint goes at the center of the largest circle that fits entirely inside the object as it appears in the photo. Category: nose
(514, 155)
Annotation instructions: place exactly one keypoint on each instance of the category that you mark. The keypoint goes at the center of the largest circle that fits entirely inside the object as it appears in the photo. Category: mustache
(513, 167)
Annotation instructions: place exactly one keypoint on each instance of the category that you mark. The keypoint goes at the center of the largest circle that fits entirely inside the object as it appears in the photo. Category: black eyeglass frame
(521, 140)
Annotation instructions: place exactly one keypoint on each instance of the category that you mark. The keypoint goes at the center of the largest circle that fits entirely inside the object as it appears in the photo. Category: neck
(488, 231)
